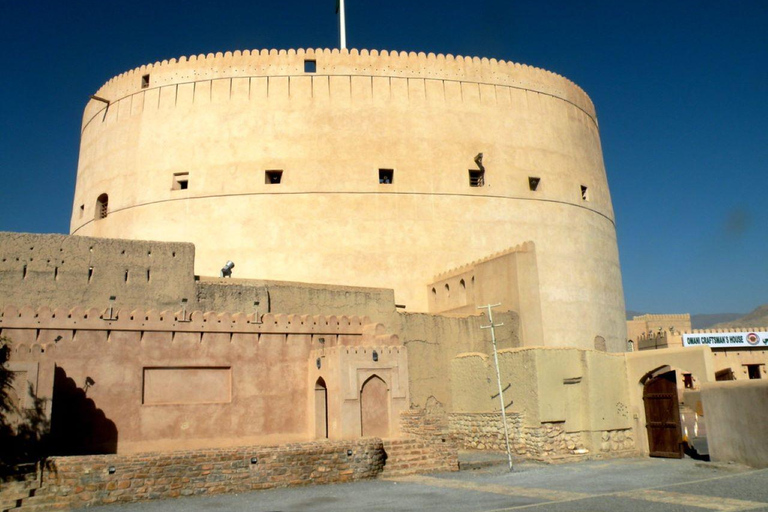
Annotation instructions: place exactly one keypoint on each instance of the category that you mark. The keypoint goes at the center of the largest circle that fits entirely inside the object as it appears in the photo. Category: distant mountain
(706, 321)
(756, 318)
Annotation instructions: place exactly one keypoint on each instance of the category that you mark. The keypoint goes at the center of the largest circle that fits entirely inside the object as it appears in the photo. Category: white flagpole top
(342, 26)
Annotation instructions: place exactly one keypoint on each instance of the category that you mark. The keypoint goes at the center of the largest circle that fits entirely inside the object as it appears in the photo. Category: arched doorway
(662, 416)
(374, 408)
(321, 409)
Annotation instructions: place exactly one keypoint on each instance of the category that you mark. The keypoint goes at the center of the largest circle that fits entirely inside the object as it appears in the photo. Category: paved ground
(619, 485)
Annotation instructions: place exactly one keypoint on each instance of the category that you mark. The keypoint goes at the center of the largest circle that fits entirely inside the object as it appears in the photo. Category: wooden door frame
(671, 422)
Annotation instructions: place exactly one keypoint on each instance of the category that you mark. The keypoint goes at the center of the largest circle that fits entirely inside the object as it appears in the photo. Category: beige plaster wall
(586, 390)
(510, 279)
(227, 118)
(53, 271)
(736, 414)
(433, 341)
(59, 270)
(644, 325)
(210, 381)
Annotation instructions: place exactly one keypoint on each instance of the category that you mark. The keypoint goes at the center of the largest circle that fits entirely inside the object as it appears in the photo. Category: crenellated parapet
(727, 329)
(662, 317)
(334, 62)
(525, 247)
(44, 328)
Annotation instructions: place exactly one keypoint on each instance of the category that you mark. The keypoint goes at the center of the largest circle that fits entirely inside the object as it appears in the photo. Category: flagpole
(342, 24)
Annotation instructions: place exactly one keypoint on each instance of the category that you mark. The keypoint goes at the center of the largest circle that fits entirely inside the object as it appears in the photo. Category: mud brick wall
(103, 479)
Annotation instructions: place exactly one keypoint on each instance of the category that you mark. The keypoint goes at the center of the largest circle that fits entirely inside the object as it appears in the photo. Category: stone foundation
(103, 479)
(484, 431)
(617, 440)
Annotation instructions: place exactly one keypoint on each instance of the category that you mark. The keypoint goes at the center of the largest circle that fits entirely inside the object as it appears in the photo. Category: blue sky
(681, 90)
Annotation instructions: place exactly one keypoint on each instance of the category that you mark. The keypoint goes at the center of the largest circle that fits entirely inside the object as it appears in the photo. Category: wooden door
(662, 416)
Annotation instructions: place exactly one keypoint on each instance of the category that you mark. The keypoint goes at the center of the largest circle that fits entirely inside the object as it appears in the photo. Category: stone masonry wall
(429, 429)
(103, 479)
(617, 440)
(484, 431)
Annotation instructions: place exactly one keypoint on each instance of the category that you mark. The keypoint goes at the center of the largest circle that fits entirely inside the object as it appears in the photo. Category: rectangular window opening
(753, 371)
(310, 66)
(688, 380)
(148, 275)
(180, 181)
(144, 81)
(533, 183)
(55, 273)
(82, 210)
(24, 272)
(126, 276)
(273, 177)
(476, 178)
(386, 176)
(90, 274)
(584, 193)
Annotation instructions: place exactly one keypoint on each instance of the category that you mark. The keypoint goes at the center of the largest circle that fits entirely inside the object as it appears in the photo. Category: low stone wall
(485, 431)
(431, 445)
(104, 479)
(617, 440)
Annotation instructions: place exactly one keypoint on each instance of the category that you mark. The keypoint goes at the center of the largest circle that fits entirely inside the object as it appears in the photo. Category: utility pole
(492, 327)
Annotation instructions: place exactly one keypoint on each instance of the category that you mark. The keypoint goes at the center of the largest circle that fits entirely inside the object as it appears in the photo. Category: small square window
(533, 183)
(386, 176)
(584, 193)
(273, 177)
(476, 178)
(180, 181)
(310, 66)
(753, 371)
(144, 81)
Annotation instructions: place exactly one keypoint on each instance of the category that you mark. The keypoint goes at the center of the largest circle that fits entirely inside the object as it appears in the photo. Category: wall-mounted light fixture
(375, 356)
(256, 317)
(112, 470)
(349, 453)
(319, 363)
(254, 460)
(112, 299)
(183, 310)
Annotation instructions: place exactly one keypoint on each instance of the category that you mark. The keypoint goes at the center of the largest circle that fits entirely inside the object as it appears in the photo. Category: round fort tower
(360, 168)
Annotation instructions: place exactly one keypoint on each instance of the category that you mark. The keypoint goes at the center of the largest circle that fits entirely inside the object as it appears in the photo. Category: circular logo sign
(753, 339)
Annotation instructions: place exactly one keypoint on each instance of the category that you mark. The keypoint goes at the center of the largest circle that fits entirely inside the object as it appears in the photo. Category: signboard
(758, 339)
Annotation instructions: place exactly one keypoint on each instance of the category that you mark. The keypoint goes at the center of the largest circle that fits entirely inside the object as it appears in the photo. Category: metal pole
(342, 24)
(492, 327)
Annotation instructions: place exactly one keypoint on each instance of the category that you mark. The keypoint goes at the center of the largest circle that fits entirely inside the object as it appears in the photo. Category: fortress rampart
(359, 168)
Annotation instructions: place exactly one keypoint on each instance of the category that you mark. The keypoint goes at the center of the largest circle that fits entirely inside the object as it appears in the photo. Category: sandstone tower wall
(187, 150)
